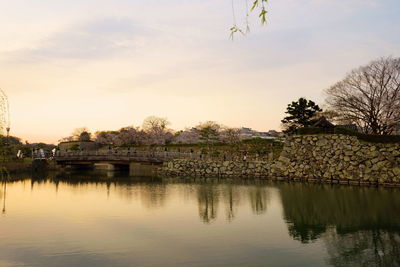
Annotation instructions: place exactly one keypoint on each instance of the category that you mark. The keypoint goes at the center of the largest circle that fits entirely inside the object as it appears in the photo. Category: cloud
(91, 40)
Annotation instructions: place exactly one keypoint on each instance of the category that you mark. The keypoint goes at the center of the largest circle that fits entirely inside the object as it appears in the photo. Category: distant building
(323, 123)
(248, 133)
(275, 133)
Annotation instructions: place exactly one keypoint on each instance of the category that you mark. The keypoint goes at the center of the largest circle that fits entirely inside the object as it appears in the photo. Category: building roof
(323, 123)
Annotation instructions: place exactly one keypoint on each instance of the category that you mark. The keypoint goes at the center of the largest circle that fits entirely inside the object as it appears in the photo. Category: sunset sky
(107, 64)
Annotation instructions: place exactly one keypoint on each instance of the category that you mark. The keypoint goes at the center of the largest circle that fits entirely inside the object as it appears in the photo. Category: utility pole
(4, 114)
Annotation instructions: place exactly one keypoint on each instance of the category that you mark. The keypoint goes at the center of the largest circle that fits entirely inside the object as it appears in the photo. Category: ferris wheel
(4, 114)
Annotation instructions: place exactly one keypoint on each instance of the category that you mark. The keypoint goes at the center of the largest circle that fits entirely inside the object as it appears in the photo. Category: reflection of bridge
(118, 158)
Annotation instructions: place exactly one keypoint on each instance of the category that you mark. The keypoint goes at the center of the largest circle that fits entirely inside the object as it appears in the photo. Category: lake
(108, 219)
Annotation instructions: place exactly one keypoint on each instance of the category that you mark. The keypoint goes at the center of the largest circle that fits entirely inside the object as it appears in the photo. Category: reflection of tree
(4, 178)
(310, 209)
(4, 197)
(153, 196)
(231, 197)
(259, 198)
(305, 233)
(363, 248)
(360, 226)
(208, 197)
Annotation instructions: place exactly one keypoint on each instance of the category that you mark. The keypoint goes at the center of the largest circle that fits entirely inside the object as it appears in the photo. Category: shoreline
(335, 159)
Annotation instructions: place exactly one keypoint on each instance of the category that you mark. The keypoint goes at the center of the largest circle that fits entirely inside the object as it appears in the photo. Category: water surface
(91, 219)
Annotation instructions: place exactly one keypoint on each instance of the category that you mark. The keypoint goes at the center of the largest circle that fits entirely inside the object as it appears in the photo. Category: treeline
(155, 131)
(9, 147)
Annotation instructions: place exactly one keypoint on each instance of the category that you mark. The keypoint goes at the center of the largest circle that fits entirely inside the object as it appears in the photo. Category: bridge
(119, 157)
(136, 161)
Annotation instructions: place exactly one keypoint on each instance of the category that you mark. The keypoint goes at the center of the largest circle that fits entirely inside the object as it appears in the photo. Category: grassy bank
(15, 166)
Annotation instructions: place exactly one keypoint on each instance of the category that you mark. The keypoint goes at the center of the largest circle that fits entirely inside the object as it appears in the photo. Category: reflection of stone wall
(326, 158)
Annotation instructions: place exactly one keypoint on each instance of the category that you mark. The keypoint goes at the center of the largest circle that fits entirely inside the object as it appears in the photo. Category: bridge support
(117, 167)
(142, 169)
(80, 166)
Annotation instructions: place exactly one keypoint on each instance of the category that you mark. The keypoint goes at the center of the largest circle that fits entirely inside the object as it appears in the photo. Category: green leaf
(255, 4)
(262, 15)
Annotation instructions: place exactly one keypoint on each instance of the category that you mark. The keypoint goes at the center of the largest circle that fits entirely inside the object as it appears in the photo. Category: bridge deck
(119, 157)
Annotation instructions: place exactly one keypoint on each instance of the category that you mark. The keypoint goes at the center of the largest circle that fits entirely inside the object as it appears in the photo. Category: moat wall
(328, 158)
(200, 168)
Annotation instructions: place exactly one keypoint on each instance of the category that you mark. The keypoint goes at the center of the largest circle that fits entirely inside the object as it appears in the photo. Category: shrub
(310, 130)
(372, 138)
(346, 131)
(258, 141)
(74, 147)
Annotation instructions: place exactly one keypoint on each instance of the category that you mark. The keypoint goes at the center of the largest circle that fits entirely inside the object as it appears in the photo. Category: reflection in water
(153, 191)
(259, 198)
(154, 196)
(352, 225)
(4, 196)
(231, 196)
(363, 248)
(208, 197)
(359, 226)
(210, 194)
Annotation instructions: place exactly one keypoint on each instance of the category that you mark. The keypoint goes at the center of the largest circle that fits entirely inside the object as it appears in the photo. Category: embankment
(27, 165)
(321, 158)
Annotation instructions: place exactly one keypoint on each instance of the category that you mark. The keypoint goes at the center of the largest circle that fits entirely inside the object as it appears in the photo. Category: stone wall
(338, 158)
(328, 158)
(188, 167)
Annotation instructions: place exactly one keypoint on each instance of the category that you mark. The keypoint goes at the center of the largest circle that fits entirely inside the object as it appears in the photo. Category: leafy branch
(257, 4)
(263, 11)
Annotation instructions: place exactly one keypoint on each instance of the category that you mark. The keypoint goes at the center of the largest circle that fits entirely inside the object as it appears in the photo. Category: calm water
(95, 220)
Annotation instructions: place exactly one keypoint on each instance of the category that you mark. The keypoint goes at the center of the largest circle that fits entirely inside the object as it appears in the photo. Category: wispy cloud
(94, 39)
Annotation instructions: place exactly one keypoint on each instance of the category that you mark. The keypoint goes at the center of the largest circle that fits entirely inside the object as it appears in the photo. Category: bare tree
(330, 115)
(157, 131)
(78, 131)
(370, 96)
(155, 124)
(78, 134)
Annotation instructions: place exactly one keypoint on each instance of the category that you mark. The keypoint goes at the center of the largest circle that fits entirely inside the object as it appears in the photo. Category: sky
(104, 65)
